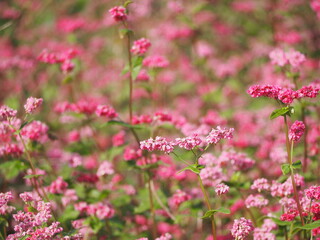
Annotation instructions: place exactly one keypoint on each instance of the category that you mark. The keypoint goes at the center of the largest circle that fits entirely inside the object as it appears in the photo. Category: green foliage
(285, 111)
(12, 169)
(210, 213)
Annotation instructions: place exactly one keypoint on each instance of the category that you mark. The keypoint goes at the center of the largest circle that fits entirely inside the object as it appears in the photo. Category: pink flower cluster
(241, 228)
(105, 168)
(256, 201)
(260, 184)
(118, 13)
(155, 61)
(59, 186)
(32, 104)
(63, 58)
(296, 131)
(281, 58)
(188, 143)
(7, 113)
(283, 94)
(221, 189)
(315, 5)
(106, 111)
(313, 192)
(141, 46)
(157, 144)
(4, 199)
(101, 210)
(264, 232)
(178, 198)
(35, 131)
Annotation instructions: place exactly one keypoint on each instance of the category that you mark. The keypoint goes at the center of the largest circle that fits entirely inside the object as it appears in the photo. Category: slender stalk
(130, 71)
(153, 216)
(207, 202)
(305, 140)
(160, 202)
(289, 146)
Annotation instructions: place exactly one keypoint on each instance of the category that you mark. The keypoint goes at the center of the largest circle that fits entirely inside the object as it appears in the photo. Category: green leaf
(67, 79)
(193, 168)
(210, 213)
(12, 168)
(25, 123)
(282, 112)
(296, 165)
(32, 176)
(280, 223)
(114, 122)
(285, 168)
(136, 66)
(69, 214)
(123, 32)
(310, 226)
(127, 3)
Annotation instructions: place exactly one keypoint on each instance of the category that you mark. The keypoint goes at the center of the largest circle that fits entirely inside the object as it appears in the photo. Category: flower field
(159, 120)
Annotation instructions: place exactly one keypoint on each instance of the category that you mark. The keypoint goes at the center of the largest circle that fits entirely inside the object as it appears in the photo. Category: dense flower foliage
(159, 120)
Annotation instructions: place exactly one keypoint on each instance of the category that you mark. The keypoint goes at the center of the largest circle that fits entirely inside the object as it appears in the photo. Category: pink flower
(221, 189)
(270, 91)
(105, 168)
(295, 58)
(6, 113)
(308, 91)
(287, 96)
(165, 236)
(219, 133)
(140, 46)
(313, 192)
(296, 131)
(260, 184)
(118, 13)
(157, 144)
(256, 201)
(188, 143)
(32, 104)
(155, 61)
(178, 198)
(67, 66)
(58, 186)
(106, 111)
(241, 228)
(36, 131)
(69, 196)
(278, 57)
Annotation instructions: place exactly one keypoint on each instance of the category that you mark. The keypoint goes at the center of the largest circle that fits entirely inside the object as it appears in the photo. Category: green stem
(207, 202)
(153, 216)
(181, 159)
(289, 152)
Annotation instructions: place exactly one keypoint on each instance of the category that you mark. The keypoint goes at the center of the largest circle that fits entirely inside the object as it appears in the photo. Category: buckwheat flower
(211, 176)
(105, 168)
(58, 186)
(268, 90)
(5, 198)
(178, 198)
(295, 58)
(165, 236)
(308, 91)
(296, 131)
(157, 144)
(260, 184)
(106, 111)
(289, 215)
(221, 189)
(219, 133)
(241, 228)
(141, 46)
(36, 131)
(27, 197)
(313, 192)
(188, 143)
(118, 13)
(264, 232)
(67, 66)
(278, 57)
(32, 104)
(287, 96)
(69, 196)
(155, 61)
(256, 201)
(47, 57)
(6, 113)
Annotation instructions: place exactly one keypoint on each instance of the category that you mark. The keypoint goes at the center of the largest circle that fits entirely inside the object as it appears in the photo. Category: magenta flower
(296, 131)
(118, 13)
(241, 228)
(32, 104)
